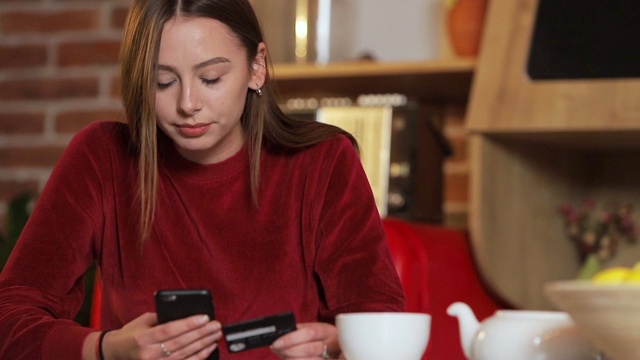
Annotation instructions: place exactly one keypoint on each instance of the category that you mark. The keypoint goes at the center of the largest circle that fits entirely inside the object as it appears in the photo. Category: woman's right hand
(194, 337)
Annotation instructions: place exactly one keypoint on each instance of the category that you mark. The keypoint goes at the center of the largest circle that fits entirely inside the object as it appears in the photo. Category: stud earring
(258, 90)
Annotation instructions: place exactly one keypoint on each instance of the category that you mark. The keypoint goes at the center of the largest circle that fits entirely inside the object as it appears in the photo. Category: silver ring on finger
(325, 352)
(165, 352)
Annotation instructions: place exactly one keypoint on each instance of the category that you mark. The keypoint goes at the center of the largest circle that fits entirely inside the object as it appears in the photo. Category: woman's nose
(189, 103)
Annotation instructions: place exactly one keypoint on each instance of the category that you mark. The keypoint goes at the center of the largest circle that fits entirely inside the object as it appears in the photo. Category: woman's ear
(259, 67)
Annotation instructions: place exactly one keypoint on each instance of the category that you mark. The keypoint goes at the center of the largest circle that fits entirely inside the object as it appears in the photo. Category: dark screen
(578, 39)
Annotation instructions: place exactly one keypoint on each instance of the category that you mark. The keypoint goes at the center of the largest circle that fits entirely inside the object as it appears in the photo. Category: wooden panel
(516, 227)
(504, 98)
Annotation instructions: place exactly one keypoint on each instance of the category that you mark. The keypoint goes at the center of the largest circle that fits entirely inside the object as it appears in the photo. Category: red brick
(115, 87)
(89, 53)
(17, 22)
(22, 56)
(48, 89)
(39, 156)
(11, 189)
(454, 116)
(21, 123)
(71, 122)
(118, 17)
(459, 145)
(456, 188)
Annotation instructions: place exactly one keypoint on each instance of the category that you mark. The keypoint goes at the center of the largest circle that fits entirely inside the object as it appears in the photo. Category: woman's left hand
(311, 341)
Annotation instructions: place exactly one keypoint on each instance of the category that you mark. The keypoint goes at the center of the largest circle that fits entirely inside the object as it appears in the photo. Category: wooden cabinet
(536, 145)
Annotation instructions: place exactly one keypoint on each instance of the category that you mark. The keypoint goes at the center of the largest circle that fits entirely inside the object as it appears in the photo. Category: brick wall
(58, 72)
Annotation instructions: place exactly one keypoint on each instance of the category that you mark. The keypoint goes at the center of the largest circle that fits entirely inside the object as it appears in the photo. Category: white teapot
(520, 334)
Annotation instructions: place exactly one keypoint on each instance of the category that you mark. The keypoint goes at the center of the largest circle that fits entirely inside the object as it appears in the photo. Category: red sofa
(437, 268)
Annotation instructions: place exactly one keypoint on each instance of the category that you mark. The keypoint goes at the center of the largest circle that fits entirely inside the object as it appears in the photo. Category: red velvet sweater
(314, 245)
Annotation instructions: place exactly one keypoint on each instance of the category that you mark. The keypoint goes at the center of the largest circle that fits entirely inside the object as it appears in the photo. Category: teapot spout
(468, 324)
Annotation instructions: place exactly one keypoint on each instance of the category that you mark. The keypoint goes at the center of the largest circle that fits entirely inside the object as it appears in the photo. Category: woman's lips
(193, 130)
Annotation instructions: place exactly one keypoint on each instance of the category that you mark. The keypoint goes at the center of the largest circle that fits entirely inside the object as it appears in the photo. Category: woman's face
(203, 79)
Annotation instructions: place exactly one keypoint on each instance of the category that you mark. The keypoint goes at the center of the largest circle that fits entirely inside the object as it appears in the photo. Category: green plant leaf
(589, 268)
(17, 215)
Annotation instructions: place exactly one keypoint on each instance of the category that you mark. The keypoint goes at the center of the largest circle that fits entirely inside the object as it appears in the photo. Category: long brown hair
(264, 122)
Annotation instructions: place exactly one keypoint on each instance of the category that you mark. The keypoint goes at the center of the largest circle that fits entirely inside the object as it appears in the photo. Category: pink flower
(599, 232)
(589, 205)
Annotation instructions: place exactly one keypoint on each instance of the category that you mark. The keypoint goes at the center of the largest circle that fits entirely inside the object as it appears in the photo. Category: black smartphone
(174, 304)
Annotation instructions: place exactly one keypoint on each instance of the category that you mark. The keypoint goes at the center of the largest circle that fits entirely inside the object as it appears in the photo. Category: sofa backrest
(437, 268)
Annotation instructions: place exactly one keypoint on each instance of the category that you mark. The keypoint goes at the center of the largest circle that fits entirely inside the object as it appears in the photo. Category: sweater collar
(170, 158)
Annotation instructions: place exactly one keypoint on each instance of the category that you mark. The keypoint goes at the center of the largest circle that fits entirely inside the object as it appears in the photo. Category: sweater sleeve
(41, 286)
(353, 262)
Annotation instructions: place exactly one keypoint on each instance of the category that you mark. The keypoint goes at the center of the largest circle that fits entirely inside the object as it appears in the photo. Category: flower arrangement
(596, 233)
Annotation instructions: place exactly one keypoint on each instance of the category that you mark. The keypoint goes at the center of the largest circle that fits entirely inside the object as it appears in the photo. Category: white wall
(396, 30)
(390, 30)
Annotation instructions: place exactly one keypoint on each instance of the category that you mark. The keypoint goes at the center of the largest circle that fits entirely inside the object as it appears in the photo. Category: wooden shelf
(443, 80)
(587, 141)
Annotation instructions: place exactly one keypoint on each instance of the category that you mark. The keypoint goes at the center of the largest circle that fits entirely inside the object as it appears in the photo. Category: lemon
(633, 278)
(634, 274)
(614, 275)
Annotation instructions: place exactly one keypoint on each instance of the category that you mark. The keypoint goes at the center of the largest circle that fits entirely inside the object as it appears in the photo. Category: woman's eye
(210, 81)
(164, 85)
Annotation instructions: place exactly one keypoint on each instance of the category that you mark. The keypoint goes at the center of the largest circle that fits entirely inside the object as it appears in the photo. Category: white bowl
(383, 335)
(607, 315)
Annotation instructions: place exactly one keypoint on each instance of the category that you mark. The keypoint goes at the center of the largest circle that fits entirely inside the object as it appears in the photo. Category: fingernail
(213, 326)
(211, 348)
(276, 344)
(202, 320)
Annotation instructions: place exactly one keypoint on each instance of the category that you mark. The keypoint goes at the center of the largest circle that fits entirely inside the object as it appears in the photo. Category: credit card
(258, 332)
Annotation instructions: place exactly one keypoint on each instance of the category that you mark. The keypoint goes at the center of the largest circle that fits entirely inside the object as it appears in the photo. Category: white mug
(383, 335)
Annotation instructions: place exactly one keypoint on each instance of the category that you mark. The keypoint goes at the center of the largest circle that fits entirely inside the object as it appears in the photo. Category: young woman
(209, 186)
